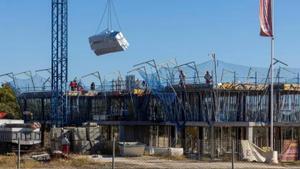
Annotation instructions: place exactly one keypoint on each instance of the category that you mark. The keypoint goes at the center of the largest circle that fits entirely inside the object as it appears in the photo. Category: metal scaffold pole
(19, 150)
(114, 149)
(215, 81)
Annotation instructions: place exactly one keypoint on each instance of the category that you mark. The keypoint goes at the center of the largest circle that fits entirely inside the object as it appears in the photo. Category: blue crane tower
(59, 62)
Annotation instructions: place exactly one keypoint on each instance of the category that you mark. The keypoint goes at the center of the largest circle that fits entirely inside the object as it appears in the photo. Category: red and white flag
(265, 18)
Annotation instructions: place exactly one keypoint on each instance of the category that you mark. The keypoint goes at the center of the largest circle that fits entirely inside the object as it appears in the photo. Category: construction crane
(59, 62)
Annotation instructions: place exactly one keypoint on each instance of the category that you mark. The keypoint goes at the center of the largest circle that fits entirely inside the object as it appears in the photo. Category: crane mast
(59, 62)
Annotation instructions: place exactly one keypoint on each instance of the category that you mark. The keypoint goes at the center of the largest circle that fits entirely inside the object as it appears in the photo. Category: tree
(9, 103)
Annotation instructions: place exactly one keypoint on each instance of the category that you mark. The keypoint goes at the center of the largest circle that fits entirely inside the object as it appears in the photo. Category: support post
(255, 78)
(232, 153)
(175, 136)
(19, 152)
(151, 137)
(113, 153)
(212, 142)
(157, 136)
(249, 132)
(215, 84)
(43, 122)
(234, 77)
(198, 148)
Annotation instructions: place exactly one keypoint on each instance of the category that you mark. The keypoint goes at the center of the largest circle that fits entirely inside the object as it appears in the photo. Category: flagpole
(266, 12)
(272, 82)
(272, 96)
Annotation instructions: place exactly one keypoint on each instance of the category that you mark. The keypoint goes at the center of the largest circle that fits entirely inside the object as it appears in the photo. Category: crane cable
(116, 15)
(108, 11)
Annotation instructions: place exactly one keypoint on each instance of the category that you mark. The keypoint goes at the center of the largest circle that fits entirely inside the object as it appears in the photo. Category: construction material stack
(83, 140)
(94, 136)
(80, 144)
(107, 42)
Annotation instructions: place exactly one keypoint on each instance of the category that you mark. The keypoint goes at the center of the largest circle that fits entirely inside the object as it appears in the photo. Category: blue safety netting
(153, 80)
(165, 76)
(225, 73)
(31, 84)
(228, 72)
(167, 100)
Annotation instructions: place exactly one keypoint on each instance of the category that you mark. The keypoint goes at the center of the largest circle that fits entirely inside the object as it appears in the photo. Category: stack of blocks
(83, 140)
(79, 142)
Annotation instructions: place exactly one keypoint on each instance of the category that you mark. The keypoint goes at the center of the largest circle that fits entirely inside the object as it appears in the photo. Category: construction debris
(41, 157)
(165, 151)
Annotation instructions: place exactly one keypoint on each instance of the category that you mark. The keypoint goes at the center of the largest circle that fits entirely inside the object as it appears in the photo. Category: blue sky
(161, 29)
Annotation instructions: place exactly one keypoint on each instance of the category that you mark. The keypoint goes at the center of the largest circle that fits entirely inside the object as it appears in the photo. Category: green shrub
(9, 103)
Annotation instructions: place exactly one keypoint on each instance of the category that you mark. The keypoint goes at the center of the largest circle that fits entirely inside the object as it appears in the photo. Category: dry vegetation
(149, 162)
(7, 162)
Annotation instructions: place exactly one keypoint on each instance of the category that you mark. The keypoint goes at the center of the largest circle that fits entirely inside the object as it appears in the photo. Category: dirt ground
(147, 162)
(163, 163)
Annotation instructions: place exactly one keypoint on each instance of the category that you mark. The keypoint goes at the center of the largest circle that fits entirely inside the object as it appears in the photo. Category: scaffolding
(160, 96)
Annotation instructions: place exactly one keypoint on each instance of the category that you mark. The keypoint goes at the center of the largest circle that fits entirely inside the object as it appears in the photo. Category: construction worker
(181, 78)
(79, 87)
(113, 85)
(93, 87)
(144, 85)
(73, 85)
(208, 78)
(137, 84)
(65, 143)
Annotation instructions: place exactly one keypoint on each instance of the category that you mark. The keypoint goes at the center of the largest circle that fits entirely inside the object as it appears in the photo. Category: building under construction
(200, 107)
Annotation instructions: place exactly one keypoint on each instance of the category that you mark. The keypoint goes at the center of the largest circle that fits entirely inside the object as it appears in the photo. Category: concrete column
(268, 136)
(281, 139)
(249, 134)
(169, 137)
(180, 136)
(203, 140)
(111, 132)
(201, 145)
(212, 142)
(175, 136)
(183, 136)
(122, 133)
(151, 137)
(298, 133)
(157, 136)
